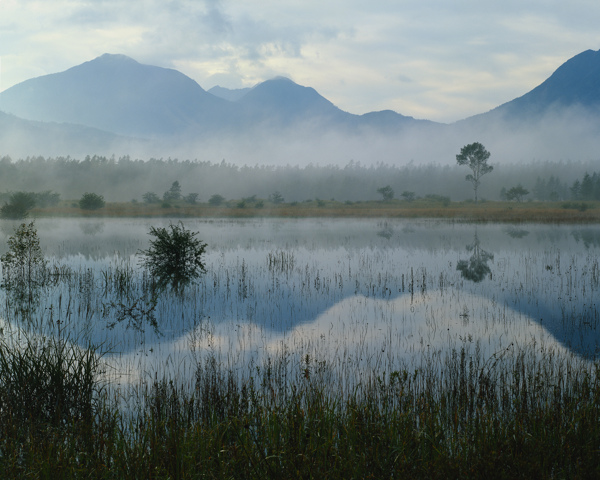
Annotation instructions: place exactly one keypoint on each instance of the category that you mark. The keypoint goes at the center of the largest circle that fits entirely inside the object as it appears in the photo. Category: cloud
(462, 57)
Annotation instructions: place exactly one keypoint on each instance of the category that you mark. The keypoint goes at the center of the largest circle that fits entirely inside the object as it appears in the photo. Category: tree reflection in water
(476, 268)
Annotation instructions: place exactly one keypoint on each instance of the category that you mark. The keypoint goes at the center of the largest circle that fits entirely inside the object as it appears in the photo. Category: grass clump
(50, 403)
(508, 417)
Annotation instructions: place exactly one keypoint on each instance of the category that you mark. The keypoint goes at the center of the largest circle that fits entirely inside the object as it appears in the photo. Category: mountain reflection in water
(384, 292)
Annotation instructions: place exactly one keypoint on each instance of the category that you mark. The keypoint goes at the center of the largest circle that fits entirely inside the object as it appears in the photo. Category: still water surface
(368, 293)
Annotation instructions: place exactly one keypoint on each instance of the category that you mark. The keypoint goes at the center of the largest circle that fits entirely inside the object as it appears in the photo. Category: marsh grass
(513, 416)
(338, 404)
(428, 207)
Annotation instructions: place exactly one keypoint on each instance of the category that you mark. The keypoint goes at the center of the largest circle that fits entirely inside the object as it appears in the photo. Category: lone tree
(386, 192)
(475, 157)
(174, 256)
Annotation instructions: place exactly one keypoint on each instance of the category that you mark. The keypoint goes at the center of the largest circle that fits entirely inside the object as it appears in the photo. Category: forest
(125, 179)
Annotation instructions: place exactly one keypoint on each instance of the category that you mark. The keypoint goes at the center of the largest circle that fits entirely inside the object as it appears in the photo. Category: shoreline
(467, 212)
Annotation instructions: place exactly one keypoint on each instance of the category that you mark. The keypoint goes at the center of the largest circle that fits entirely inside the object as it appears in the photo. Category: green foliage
(514, 416)
(150, 197)
(408, 196)
(516, 193)
(445, 201)
(276, 198)
(91, 201)
(476, 268)
(581, 206)
(19, 205)
(174, 193)
(588, 188)
(216, 200)
(475, 156)
(175, 255)
(386, 192)
(46, 382)
(47, 198)
(191, 198)
(24, 262)
(550, 189)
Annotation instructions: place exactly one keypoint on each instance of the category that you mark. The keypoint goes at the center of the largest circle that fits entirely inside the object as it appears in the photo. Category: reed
(292, 361)
(512, 417)
(510, 212)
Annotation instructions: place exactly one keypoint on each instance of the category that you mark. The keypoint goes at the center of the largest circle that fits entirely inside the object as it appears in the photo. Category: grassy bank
(511, 417)
(543, 212)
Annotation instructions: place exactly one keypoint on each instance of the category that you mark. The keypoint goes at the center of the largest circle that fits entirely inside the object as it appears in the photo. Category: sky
(442, 60)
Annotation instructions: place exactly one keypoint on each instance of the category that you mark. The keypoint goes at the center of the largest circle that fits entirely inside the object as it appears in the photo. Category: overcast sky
(443, 60)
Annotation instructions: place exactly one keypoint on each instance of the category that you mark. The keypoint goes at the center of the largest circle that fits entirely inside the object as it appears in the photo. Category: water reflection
(335, 286)
(386, 232)
(89, 228)
(476, 268)
(516, 232)
(589, 237)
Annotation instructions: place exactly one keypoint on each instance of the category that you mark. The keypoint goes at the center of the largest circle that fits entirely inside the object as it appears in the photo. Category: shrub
(18, 206)
(47, 198)
(175, 255)
(386, 192)
(150, 197)
(91, 201)
(276, 198)
(191, 198)
(216, 200)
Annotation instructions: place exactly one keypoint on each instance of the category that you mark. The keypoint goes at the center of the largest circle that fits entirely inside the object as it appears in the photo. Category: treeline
(588, 188)
(127, 179)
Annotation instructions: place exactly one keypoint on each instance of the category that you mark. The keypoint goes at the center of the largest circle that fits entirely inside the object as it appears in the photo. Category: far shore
(487, 211)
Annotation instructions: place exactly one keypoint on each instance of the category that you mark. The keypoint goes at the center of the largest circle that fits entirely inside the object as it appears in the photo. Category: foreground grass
(513, 417)
(544, 212)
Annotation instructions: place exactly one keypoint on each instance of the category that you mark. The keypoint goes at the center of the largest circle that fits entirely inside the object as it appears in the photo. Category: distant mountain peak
(576, 83)
(114, 57)
(115, 93)
(111, 60)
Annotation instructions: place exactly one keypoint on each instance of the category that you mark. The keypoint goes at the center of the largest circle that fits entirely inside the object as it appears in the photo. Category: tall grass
(297, 361)
(512, 417)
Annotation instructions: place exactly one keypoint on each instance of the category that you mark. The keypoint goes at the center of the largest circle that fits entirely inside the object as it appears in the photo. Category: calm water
(373, 294)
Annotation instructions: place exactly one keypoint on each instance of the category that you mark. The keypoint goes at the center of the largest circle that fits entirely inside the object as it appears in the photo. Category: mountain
(282, 102)
(23, 138)
(574, 85)
(117, 94)
(100, 102)
(228, 94)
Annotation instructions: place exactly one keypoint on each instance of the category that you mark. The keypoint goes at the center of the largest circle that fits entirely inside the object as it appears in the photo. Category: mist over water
(386, 294)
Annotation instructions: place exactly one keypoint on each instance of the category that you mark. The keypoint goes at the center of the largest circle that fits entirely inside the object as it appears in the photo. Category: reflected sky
(381, 292)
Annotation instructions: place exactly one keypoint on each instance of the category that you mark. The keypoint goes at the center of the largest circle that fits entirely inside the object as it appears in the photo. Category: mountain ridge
(119, 96)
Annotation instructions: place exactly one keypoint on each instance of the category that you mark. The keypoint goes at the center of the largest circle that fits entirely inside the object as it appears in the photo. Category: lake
(354, 296)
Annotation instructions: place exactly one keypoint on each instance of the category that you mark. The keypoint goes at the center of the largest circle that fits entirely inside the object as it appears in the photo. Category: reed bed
(297, 359)
(509, 418)
(507, 212)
